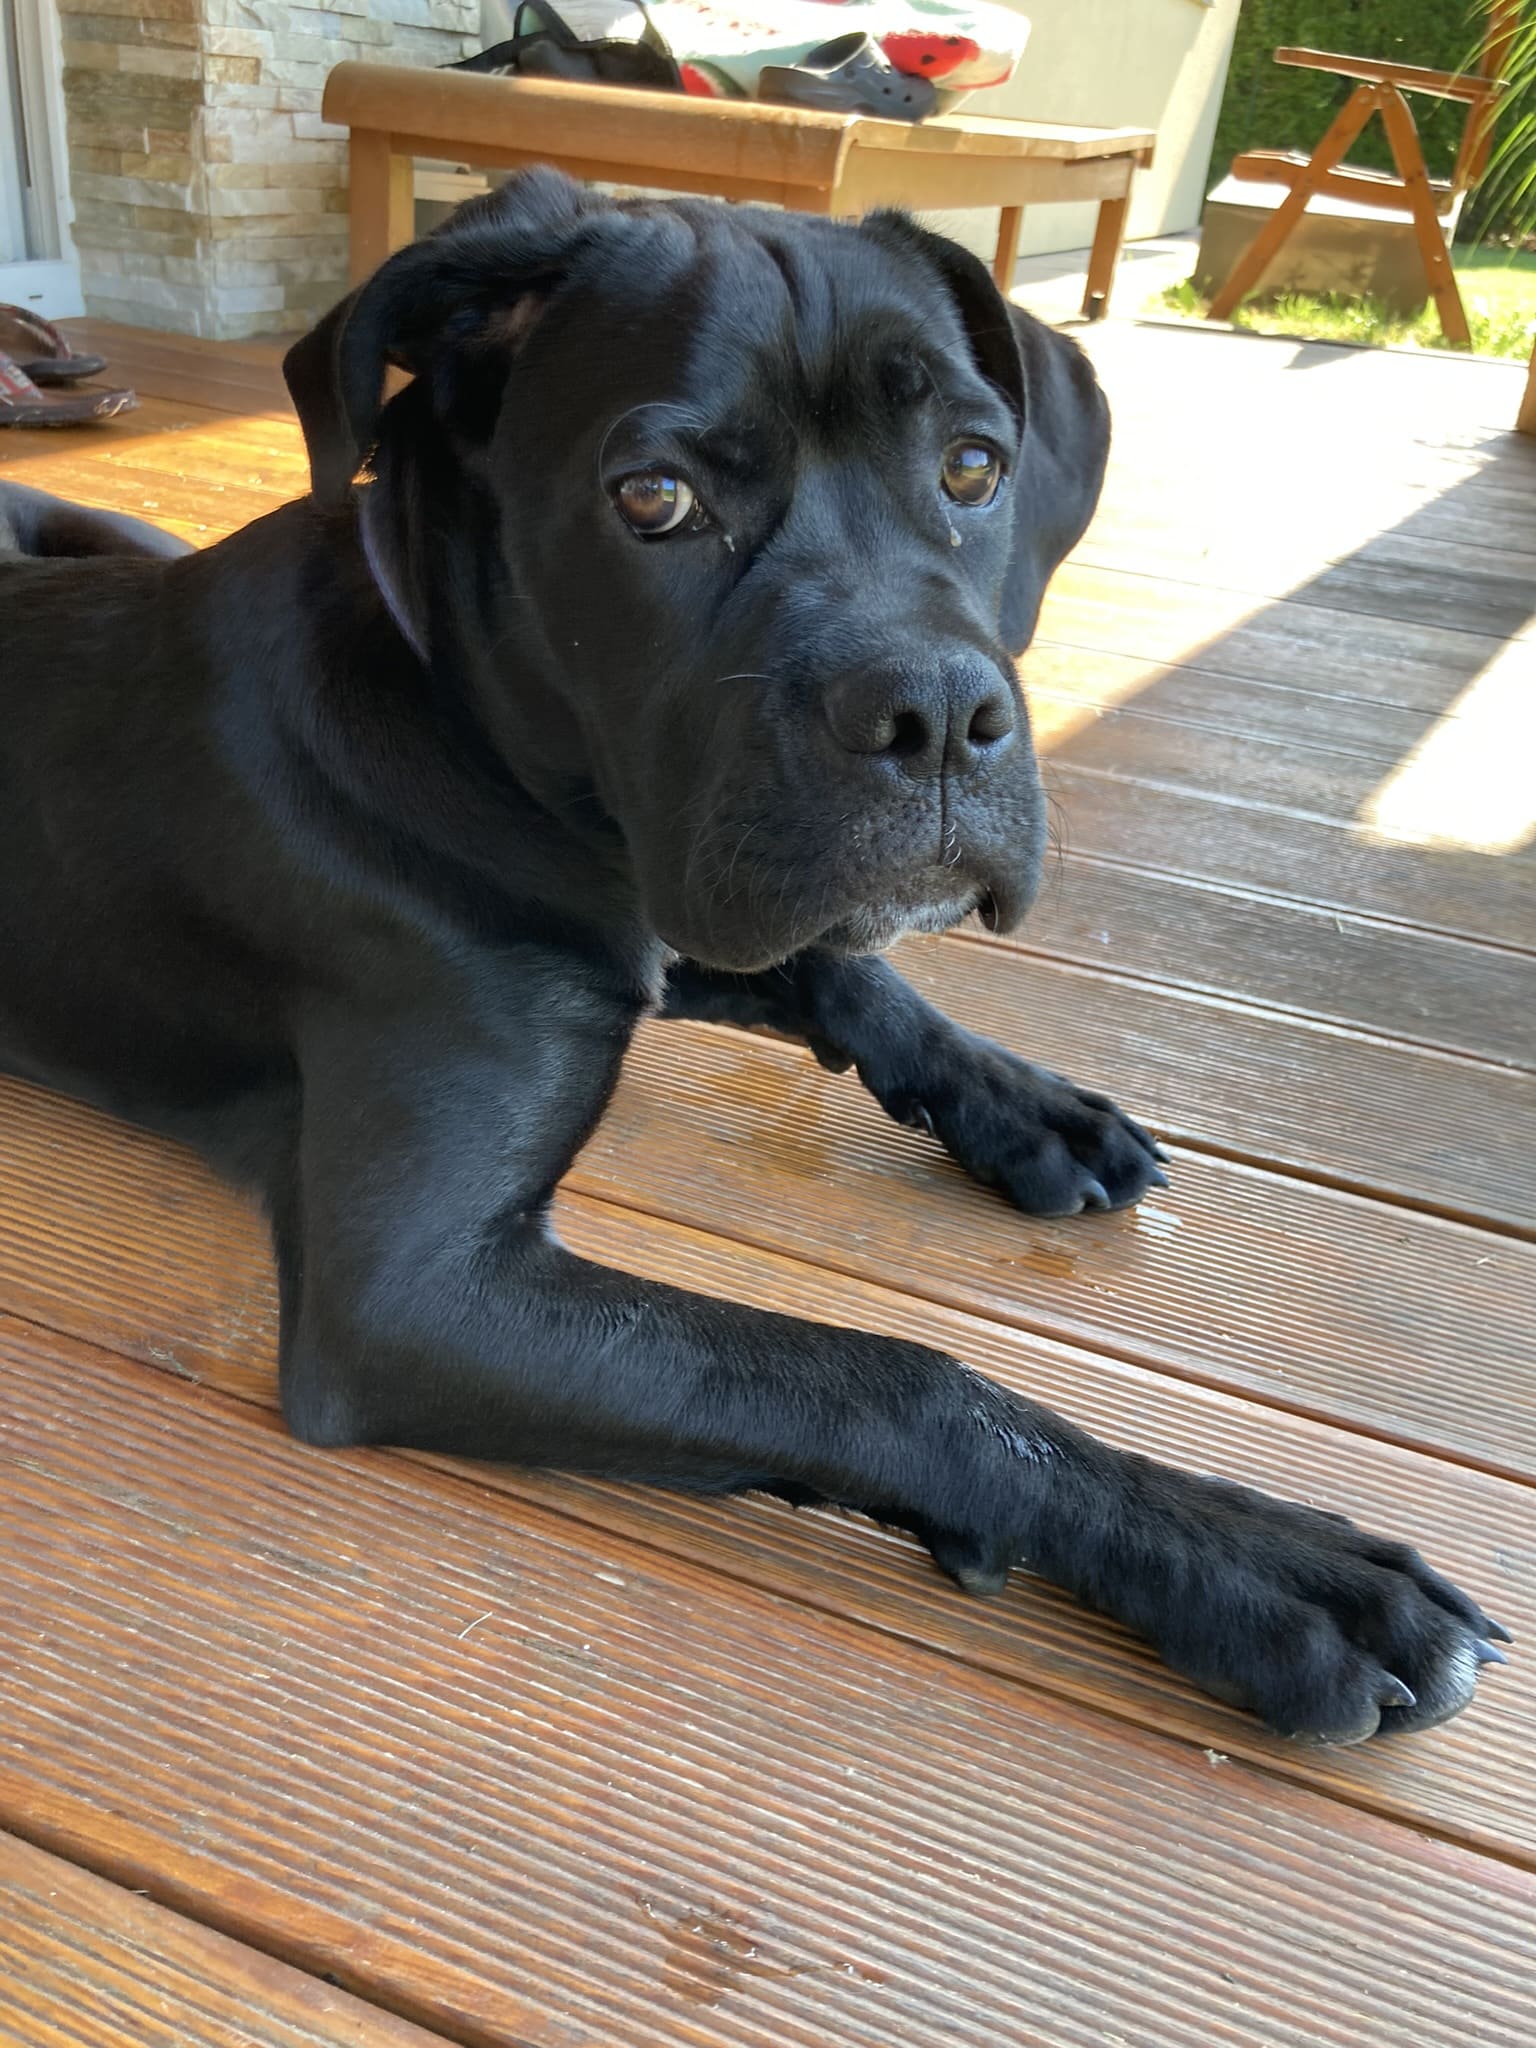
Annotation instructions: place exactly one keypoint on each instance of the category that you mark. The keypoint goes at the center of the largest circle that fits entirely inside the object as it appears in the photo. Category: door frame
(48, 283)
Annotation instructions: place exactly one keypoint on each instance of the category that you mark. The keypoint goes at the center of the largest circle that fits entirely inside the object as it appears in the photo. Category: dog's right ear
(452, 307)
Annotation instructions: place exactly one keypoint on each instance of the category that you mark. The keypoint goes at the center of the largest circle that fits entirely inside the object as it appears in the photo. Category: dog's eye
(971, 472)
(655, 503)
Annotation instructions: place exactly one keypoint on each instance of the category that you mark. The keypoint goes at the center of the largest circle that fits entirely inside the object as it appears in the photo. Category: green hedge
(1270, 106)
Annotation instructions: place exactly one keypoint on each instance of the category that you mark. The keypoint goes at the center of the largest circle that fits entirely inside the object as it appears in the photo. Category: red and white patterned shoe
(23, 405)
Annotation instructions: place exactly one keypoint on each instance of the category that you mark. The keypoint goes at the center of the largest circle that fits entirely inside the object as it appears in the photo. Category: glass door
(37, 264)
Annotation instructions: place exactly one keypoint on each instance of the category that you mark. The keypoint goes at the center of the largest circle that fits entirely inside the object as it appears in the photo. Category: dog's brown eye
(654, 502)
(971, 472)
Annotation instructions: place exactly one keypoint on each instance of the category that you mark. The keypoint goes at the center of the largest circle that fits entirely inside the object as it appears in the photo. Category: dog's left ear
(981, 305)
(452, 308)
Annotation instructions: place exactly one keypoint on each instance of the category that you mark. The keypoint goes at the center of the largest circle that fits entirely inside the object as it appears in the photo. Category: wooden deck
(308, 1748)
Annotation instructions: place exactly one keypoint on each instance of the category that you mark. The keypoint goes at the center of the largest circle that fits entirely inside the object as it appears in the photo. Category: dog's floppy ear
(981, 305)
(477, 281)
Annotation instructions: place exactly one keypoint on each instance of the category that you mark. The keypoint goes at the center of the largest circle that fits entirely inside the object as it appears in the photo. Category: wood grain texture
(1422, 571)
(1318, 784)
(242, 378)
(86, 1964)
(1067, 692)
(198, 1302)
(1186, 826)
(1218, 939)
(1283, 641)
(528, 1789)
(1404, 1325)
(197, 471)
(1434, 1132)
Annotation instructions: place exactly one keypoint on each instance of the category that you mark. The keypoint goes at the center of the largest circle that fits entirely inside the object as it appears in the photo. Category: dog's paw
(1328, 1634)
(1051, 1148)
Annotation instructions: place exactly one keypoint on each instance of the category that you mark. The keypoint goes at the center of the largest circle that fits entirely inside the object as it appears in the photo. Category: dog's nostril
(991, 721)
(909, 735)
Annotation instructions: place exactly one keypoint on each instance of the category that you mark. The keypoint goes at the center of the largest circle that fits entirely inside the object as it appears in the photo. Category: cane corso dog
(651, 649)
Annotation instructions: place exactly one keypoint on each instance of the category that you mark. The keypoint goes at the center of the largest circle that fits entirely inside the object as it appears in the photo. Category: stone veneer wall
(210, 198)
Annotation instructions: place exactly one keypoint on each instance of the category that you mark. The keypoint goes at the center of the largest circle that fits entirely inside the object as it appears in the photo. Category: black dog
(664, 662)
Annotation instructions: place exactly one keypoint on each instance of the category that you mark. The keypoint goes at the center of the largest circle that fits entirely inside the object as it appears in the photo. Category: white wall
(1158, 64)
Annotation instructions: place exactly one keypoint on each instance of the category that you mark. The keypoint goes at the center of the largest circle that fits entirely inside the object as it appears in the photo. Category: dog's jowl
(651, 649)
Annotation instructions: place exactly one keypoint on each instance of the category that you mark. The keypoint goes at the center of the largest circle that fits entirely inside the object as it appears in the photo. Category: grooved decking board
(198, 472)
(1473, 1780)
(170, 1269)
(1068, 689)
(1414, 570)
(1451, 1135)
(86, 1964)
(1415, 666)
(1188, 828)
(525, 1788)
(1396, 982)
(1320, 784)
(238, 377)
(1136, 526)
(1412, 1328)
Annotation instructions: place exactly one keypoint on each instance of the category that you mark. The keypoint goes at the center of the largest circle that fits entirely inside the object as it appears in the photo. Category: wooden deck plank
(1429, 1130)
(1186, 828)
(86, 1964)
(148, 1257)
(1464, 558)
(199, 472)
(820, 1834)
(1399, 1324)
(1069, 688)
(1217, 939)
(235, 377)
(1418, 565)
(1315, 783)
(1415, 666)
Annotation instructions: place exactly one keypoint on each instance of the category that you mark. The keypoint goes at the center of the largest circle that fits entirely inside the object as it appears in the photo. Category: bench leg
(382, 201)
(1007, 257)
(1104, 257)
(1526, 421)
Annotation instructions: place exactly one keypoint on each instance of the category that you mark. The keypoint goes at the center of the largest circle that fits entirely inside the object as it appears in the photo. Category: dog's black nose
(956, 715)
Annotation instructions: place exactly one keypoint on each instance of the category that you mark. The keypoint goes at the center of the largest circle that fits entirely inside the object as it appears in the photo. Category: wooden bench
(840, 164)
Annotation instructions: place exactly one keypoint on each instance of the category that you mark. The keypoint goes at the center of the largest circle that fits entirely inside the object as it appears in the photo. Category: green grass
(1498, 289)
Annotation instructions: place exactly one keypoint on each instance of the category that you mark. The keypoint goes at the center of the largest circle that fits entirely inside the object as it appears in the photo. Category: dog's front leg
(1050, 1147)
(426, 1304)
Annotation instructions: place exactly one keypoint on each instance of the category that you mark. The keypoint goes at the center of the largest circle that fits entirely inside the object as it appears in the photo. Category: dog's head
(730, 522)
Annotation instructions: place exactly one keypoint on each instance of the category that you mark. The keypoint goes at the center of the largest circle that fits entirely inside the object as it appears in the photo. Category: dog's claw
(1158, 1178)
(1490, 1653)
(1095, 1196)
(1395, 1694)
(1499, 1633)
